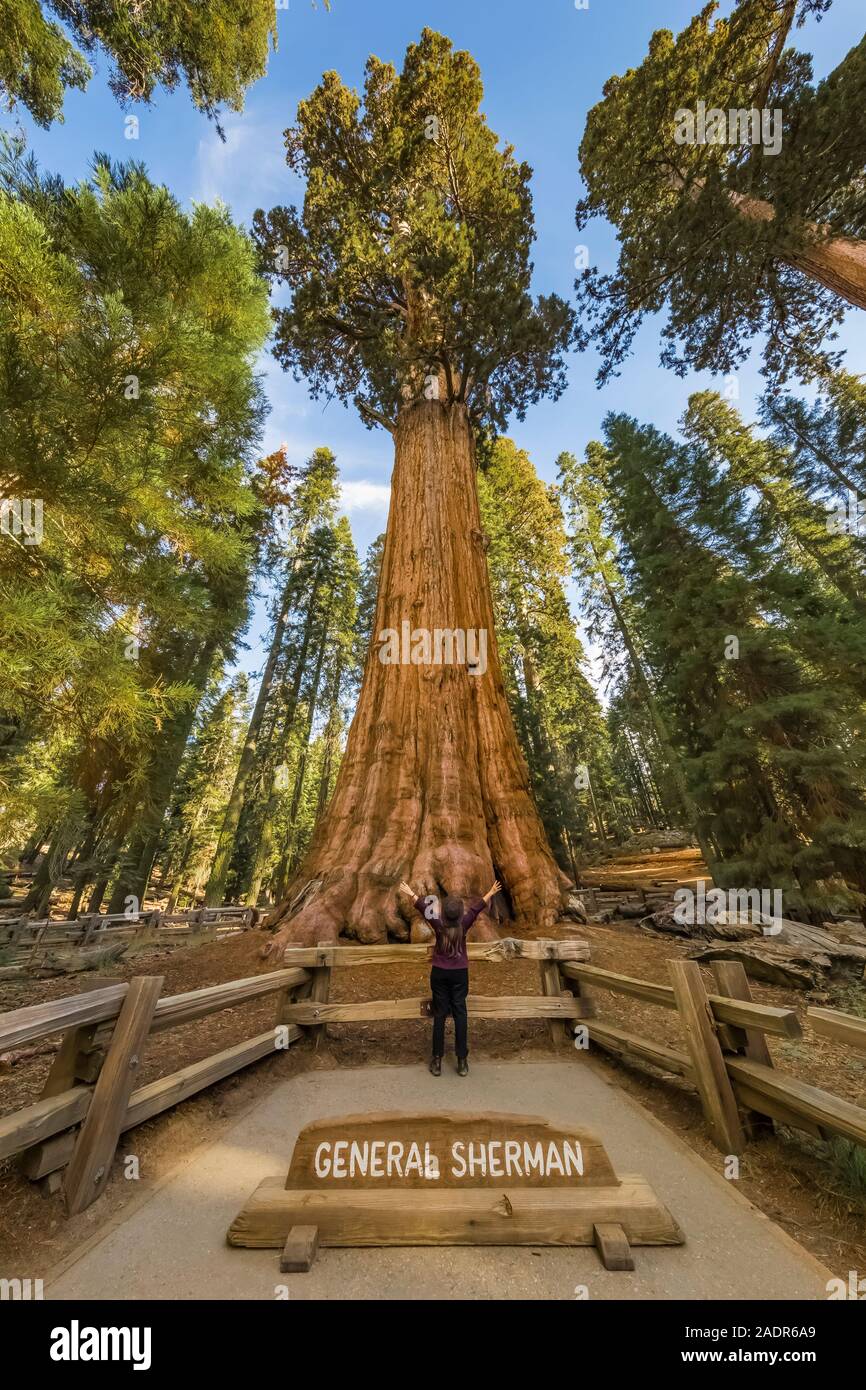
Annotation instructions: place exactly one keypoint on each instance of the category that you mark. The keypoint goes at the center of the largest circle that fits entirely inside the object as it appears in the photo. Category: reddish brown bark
(835, 261)
(433, 786)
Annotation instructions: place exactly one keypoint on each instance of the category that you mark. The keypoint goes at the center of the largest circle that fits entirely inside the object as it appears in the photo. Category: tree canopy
(217, 49)
(409, 262)
(131, 412)
(736, 237)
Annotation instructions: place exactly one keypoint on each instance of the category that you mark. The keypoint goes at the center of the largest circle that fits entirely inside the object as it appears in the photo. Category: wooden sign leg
(612, 1244)
(89, 1166)
(714, 1084)
(300, 1250)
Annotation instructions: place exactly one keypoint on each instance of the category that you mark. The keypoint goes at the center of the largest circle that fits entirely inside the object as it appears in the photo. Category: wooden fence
(22, 938)
(91, 1082)
(727, 1058)
(90, 1099)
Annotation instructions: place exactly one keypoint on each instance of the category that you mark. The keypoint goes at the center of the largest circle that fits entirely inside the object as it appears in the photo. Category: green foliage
(826, 441)
(723, 268)
(217, 49)
(202, 788)
(292, 745)
(409, 263)
(131, 411)
(557, 714)
(315, 702)
(648, 761)
(771, 730)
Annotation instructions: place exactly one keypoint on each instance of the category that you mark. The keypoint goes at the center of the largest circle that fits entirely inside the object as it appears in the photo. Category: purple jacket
(460, 960)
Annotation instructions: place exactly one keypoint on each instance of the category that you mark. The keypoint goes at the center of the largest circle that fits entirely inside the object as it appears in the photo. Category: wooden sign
(449, 1149)
(453, 1178)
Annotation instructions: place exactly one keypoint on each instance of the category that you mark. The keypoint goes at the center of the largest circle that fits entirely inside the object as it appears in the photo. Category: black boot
(462, 1067)
(435, 1066)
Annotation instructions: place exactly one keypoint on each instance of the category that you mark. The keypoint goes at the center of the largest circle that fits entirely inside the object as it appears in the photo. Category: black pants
(449, 989)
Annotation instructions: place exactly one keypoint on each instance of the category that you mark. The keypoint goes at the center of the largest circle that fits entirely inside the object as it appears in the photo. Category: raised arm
(418, 903)
(476, 910)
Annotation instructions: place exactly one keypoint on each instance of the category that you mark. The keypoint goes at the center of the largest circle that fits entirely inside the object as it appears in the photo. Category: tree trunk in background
(139, 857)
(266, 839)
(672, 757)
(287, 858)
(433, 787)
(331, 733)
(216, 883)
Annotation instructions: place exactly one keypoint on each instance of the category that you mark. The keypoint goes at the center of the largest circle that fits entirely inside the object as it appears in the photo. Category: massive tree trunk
(433, 787)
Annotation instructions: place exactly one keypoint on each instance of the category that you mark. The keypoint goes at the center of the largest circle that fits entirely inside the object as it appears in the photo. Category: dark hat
(452, 909)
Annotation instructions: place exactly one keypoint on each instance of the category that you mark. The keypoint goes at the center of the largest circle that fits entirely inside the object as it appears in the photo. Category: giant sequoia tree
(737, 220)
(410, 272)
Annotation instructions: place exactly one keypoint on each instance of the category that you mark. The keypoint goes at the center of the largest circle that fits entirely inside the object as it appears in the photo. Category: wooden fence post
(553, 985)
(713, 1082)
(319, 991)
(77, 1059)
(89, 1166)
(732, 980)
(316, 989)
(88, 927)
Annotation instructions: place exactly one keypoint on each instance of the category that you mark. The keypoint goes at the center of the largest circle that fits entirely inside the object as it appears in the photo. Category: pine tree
(217, 49)
(558, 718)
(827, 440)
(312, 504)
(330, 621)
(614, 621)
(131, 411)
(772, 756)
(202, 789)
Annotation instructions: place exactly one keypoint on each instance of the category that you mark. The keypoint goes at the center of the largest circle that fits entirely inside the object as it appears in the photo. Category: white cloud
(362, 496)
(247, 170)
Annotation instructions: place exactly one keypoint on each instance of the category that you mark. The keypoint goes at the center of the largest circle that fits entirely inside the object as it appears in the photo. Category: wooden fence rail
(22, 937)
(726, 1056)
(89, 1098)
(103, 1033)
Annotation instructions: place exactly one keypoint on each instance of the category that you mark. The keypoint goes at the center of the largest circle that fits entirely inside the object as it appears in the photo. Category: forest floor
(809, 1190)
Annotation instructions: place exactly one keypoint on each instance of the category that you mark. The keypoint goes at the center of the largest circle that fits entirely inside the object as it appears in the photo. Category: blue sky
(543, 67)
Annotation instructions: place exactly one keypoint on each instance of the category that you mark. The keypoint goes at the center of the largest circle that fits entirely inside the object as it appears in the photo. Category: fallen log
(771, 961)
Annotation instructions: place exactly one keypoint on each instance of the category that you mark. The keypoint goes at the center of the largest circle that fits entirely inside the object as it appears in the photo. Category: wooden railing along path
(92, 1080)
(90, 1098)
(21, 938)
(726, 1056)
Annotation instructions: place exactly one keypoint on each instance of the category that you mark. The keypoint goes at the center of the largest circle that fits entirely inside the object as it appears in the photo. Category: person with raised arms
(449, 973)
